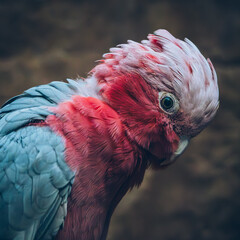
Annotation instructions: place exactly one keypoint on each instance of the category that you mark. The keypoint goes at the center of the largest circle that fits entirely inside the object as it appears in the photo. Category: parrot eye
(168, 102)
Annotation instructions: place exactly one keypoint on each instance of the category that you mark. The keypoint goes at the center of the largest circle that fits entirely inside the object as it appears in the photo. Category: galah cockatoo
(70, 151)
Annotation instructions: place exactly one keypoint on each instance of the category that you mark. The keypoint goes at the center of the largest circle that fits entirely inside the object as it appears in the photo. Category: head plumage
(171, 65)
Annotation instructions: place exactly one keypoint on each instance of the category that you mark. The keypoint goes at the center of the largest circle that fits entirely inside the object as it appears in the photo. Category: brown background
(199, 196)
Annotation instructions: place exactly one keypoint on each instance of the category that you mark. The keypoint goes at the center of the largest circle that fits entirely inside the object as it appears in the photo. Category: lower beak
(183, 142)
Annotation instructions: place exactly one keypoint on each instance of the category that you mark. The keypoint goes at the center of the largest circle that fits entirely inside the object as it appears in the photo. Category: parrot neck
(91, 219)
(106, 162)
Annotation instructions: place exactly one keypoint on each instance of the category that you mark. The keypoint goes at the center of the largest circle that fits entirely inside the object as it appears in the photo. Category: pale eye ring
(168, 102)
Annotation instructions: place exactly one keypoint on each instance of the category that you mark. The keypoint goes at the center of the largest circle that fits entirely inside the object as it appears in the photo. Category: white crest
(170, 65)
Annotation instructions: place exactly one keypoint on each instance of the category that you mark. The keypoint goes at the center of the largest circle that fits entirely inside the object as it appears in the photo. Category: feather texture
(70, 151)
(35, 183)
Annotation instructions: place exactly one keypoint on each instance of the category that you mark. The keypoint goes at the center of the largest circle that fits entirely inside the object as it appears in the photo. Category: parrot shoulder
(33, 106)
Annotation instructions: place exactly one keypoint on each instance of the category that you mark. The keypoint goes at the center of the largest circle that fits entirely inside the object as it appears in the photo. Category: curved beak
(181, 147)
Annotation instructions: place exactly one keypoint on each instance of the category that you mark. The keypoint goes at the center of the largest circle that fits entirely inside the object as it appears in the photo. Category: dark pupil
(167, 102)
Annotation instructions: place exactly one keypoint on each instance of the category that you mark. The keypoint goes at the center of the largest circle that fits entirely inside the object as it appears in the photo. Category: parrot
(70, 150)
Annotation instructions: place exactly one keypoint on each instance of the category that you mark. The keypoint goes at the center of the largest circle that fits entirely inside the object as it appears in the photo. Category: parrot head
(164, 91)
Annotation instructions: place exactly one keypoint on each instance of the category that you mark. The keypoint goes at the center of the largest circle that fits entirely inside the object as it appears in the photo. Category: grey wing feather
(34, 105)
(44, 95)
(34, 187)
(34, 178)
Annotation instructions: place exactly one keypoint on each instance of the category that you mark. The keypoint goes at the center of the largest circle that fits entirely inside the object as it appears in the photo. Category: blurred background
(198, 197)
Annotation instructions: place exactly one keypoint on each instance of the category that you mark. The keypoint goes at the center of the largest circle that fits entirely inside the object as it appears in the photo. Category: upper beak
(181, 147)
